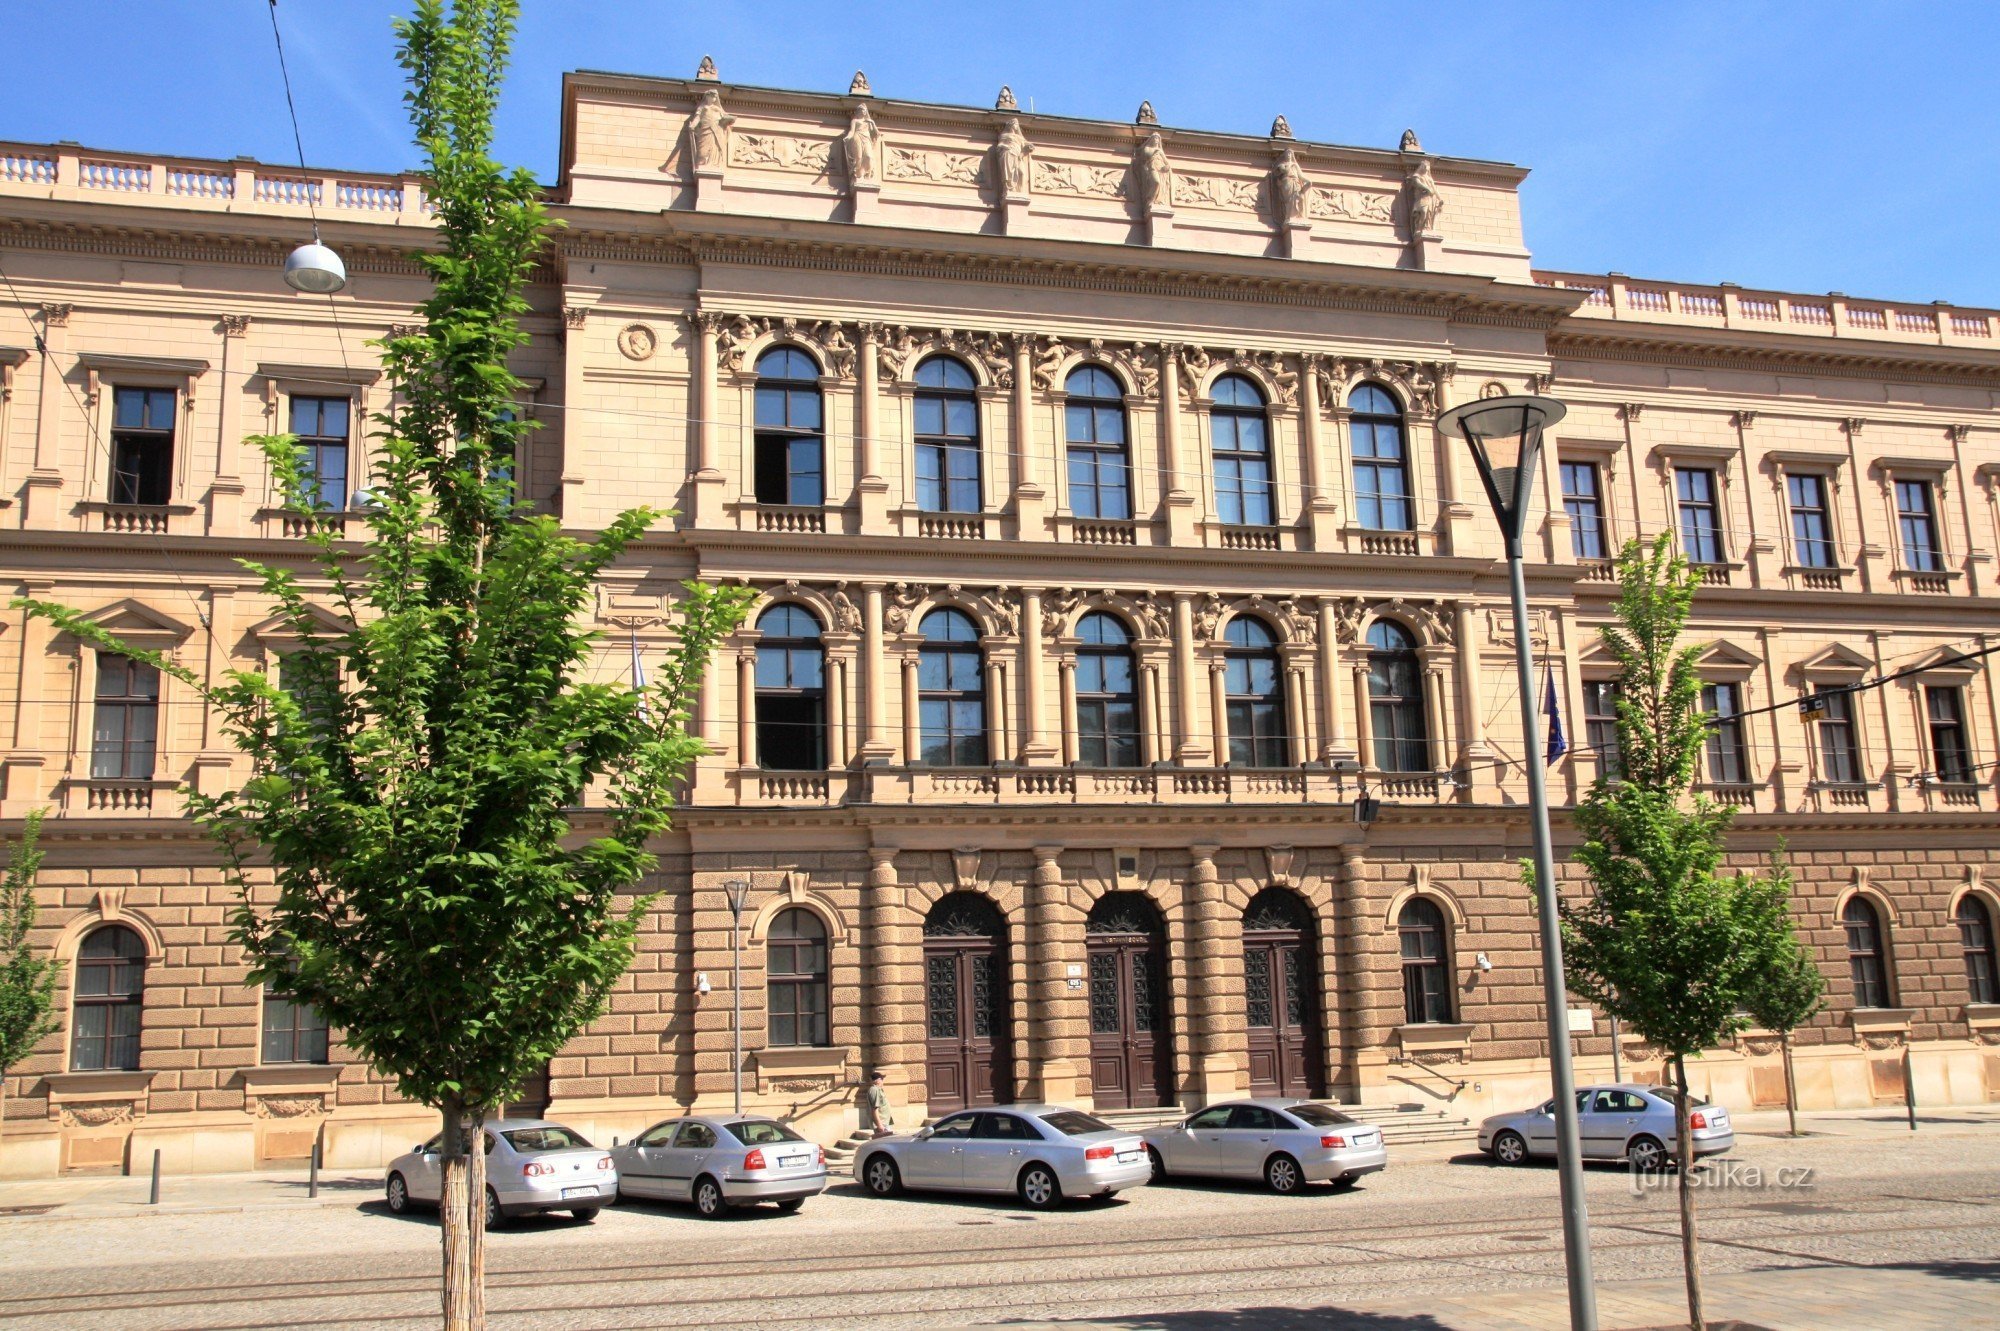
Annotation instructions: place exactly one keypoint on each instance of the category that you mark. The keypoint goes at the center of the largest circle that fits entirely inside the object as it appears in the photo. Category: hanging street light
(739, 897)
(315, 269)
(1504, 435)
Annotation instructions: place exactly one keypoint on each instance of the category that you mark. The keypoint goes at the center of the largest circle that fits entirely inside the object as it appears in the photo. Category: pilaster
(1057, 1016)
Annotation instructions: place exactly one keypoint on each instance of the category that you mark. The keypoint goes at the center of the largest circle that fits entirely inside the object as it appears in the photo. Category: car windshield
(550, 1138)
(1318, 1116)
(761, 1132)
(1071, 1123)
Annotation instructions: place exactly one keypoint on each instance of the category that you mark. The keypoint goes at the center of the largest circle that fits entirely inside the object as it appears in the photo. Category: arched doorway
(1281, 996)
(1131, 1051)
(968, 1058)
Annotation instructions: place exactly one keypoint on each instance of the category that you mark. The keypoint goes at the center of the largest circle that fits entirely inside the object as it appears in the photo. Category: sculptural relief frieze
(782, 152)
(1214, 192)
(1078, 178)
(932, 165)
(735, 332)
(1339, 205)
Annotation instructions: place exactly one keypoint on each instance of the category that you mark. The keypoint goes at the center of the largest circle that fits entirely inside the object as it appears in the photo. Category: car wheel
(882, 1177)
(399, 1195)
(1510, 1148)
(495, 1217)
(1283, 1175)
(1039, 1188)
(791, 1204)
(1646, 1154)
(1159, 1166)
(583, 1215)
(708, 1198)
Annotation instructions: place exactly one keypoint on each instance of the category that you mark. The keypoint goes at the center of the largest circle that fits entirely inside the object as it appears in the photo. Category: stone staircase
(1402, 1125)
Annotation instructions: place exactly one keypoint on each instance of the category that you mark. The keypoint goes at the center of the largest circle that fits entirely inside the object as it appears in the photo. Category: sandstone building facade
(1107, 552)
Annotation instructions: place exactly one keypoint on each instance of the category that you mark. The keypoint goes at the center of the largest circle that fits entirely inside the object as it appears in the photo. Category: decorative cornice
(1587, 339)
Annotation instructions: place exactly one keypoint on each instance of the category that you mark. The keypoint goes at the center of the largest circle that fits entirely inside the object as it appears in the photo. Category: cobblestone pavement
(1889, 1228)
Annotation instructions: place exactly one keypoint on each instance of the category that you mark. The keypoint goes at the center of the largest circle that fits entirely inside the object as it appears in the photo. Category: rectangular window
(1098, 487)
(790, 445)
(1917, 520)
(1728, 764)
(1951, 758)
(1839, 751)
(1812, 522)
(142, 445)
(294, 1032)
(1584, 503)
(127, 724)
(1701, 516)
(1242, 470)
(321, 426)
(1600, 726)
(948, 477)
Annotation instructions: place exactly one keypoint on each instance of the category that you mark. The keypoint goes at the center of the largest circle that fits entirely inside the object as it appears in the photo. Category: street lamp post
(739, 896)
(1504, 435)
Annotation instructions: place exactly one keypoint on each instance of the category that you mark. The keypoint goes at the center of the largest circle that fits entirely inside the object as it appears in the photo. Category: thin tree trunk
(475, 1215)
(1684, 1159)
(462, 1216)
(1791, 1085)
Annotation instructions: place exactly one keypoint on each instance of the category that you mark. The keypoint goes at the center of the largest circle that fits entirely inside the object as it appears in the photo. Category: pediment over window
(1723, 658)
(140, 625)
(1945, 666)
(279, 634)
(1838, 660)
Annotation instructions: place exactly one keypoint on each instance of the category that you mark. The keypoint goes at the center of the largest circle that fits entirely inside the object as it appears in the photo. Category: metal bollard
(312, 1180)
(1909, 1088)
(154, 1200)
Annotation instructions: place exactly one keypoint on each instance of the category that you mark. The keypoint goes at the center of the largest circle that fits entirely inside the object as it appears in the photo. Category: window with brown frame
(294, 1032)
(1839, 746)
(1728, 760)
(125, 729)
(1975, 940)
(1426, 976)
(108, 1002)
(1600, 726)
(1867, 955)
(1944, 708)
(795, 979)
(142, 445)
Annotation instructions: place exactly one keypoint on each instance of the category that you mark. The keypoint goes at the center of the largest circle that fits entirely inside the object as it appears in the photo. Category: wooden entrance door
(1131, 1050)
(967, 1059)
(1280, 993)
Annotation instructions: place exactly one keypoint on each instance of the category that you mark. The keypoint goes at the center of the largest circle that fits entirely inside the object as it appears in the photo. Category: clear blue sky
(1809, 146)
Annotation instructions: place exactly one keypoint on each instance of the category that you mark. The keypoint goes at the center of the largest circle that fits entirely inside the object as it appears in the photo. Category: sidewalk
(95, 1196)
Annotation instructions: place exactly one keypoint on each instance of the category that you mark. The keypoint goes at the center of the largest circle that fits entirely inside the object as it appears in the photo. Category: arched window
(1099, 483)
(791, 691)
(1107, 704)
(1241, 437)
(109, 997)
(1975, 937)
(1396, 700)
(791, 435)
(1256, 695)
(1867, 957)
(1381, 460)
(1426, 968)
(947, 429)
(795, 987)
(951, 690)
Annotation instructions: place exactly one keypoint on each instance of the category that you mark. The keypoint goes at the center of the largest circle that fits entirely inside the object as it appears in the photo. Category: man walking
(875, 1107)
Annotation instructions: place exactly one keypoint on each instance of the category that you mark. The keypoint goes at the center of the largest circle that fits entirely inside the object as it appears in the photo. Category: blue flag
(1558, 741)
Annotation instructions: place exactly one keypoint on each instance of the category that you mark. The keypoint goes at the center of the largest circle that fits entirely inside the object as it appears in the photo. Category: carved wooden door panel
(966, 1056)
(1281, 1019)
(1131, 1058)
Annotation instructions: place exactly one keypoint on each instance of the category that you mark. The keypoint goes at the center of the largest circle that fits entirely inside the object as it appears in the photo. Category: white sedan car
(1041, 1153)
(1627, 1122)
(721, 1162)
(532, 1166)
(1287, 1143)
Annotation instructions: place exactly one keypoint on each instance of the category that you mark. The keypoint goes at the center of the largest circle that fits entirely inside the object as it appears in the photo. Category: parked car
(1041, 1153)
(721, 1162)
(1625, 1122)
(532, 1166)
(1287, 1143)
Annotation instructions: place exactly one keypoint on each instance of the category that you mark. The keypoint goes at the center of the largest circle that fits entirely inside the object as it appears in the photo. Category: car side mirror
(422, 1148)
(923, 1134)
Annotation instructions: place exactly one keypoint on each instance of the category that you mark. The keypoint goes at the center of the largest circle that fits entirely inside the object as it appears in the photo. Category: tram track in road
(1310, 1268)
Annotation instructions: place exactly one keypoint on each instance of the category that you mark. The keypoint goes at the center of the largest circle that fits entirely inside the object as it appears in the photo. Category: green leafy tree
(27, 982)
(453, 818)
(1787, 994)
(1666, 942)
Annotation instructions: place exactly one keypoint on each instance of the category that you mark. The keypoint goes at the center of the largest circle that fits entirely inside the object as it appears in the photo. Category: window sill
(800, 1068)
(1983, 1016)
(286, 1078)
(1880, 1020)
(1925, 581)
(1432, 1036)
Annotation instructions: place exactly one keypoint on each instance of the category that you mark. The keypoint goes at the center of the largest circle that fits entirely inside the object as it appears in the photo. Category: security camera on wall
(701, 984)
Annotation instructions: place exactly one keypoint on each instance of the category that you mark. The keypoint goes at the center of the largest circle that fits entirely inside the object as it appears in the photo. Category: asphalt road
(1887, 1213)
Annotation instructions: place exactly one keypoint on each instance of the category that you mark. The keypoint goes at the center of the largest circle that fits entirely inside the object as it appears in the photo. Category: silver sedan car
(1287, 1143)
(721, 1162)
(1041, 1153)
(532, 1166)
(1626, 1122)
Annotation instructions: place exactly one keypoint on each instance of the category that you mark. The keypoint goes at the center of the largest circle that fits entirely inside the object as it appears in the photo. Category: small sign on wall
(1582, 1021)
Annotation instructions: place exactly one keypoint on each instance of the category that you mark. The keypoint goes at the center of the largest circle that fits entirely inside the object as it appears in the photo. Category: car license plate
(1128, 1157)
(579, 1192)
(788, 1161)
